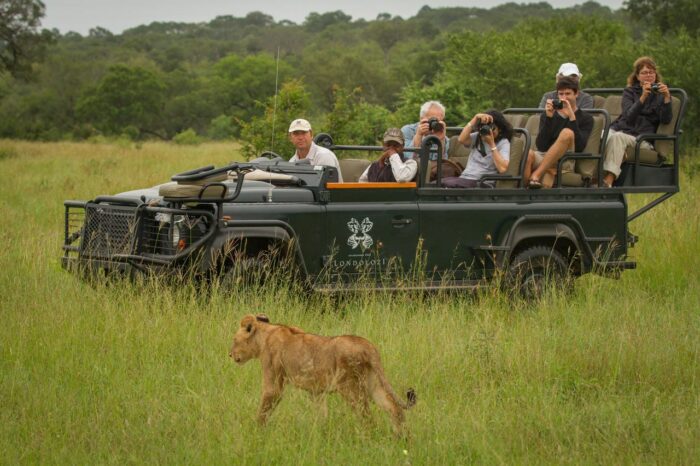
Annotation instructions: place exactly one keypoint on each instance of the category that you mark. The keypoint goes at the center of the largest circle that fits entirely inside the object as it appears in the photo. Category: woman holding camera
(646, 103)
(488, 135)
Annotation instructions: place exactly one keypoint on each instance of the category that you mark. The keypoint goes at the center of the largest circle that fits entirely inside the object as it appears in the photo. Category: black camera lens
(655, 88)
(485, 129)
(557, 104)
(434, 124)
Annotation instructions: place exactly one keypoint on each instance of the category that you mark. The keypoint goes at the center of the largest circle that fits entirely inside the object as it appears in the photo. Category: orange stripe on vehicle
(388, 185)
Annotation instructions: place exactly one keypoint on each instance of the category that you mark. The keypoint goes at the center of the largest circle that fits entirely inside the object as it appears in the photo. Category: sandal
(534, 184)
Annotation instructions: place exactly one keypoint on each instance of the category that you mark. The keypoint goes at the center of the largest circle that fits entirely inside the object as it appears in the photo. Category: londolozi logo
(359, 235)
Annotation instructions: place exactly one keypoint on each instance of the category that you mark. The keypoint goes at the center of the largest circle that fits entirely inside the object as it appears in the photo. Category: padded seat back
(517, 147)
(457, 149)
(352, 169)
(613, 105)
(598, 101)
(665, 148)
(516, 120)
(533, 127)
(587, 168)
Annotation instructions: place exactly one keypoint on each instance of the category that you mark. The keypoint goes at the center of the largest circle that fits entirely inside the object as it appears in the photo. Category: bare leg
(528, 166)
(553, 154)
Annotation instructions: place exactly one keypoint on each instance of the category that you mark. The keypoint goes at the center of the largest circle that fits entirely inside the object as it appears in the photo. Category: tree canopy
(20, 40)
(219, 78)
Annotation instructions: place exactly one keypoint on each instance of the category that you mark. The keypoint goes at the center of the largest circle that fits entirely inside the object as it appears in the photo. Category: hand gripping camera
(434, 124)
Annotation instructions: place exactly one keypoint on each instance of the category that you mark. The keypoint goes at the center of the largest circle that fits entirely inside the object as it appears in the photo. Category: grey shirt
(479, 165)
(583, 100)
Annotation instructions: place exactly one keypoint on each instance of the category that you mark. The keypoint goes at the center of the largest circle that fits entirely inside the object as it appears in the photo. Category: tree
(667, 15)
(354, 121)
(126, 97)
(269, 132)
(316, 22)
(20, 41)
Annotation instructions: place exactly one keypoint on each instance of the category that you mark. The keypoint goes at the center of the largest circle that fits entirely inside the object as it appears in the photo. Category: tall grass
(121, 372)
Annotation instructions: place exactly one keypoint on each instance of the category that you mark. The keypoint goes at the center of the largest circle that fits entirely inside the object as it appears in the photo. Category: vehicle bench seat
(352, 169)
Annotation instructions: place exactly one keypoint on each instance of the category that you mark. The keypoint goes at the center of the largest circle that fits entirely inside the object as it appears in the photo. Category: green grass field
(126, 373)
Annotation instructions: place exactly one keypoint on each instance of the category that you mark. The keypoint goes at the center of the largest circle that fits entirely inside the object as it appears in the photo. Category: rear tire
(537, 270)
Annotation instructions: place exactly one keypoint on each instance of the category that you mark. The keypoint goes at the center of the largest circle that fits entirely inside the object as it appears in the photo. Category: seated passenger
(646, 102)
(301, 136)
(488, 135)
(583, 100)
(432, 123)
(562, 129)
(391, 166)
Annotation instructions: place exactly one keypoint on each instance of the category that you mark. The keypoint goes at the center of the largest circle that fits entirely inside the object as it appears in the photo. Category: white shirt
(320, 156)
(403, 170)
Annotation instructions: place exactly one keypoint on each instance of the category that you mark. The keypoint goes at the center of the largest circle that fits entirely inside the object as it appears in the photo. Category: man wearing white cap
(301, 136)
(583, 100)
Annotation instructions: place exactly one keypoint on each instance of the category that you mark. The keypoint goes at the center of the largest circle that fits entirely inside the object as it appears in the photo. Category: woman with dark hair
(646, 103)
(488, 135)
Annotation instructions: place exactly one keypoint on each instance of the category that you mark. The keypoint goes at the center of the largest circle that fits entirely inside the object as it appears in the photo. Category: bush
(187, 137)
(222, 127)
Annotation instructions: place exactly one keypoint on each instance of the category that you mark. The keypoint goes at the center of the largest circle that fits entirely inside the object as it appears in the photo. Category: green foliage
(21, 43)
(239, 83)
(188, 137)
(667, 15)
(518, 66)
(222, 127)
(125, 96)
(354, 121)
(269, 131)
(469, 58)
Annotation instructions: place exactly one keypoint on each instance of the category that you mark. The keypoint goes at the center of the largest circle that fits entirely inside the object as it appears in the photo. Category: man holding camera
(432, 122)
(563, 128)
(583, 100)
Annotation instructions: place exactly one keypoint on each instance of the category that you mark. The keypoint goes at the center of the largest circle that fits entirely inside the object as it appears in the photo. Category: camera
(485, 129)
(558, 104)
(655, 88)
(434, 124)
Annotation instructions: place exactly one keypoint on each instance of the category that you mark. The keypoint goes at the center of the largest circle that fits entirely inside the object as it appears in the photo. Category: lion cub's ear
(248, 323)
(262, 318)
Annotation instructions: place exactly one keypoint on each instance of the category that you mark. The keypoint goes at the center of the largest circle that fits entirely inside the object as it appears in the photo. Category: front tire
(538, 270)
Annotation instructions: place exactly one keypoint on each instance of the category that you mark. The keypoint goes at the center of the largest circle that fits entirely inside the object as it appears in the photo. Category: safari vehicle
(383, 235)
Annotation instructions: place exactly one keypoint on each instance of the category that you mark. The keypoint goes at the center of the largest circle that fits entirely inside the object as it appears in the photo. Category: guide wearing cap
(583, 100)
(301, 136)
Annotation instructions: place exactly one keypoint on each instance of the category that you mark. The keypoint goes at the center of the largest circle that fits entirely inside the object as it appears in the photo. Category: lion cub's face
(244, 347)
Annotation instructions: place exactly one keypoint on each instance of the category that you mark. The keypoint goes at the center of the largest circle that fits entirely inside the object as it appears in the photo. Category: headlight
(178, 241)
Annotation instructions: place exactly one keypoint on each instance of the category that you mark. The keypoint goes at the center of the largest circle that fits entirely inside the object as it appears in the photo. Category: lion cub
(345, 364)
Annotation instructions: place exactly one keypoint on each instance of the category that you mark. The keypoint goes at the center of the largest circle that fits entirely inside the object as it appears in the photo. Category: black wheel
(536, 270)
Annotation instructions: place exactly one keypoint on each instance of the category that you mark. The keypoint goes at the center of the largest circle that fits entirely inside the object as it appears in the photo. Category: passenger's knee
(566, 135)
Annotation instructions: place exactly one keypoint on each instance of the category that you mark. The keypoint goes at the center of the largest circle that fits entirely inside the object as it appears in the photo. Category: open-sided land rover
(415, 234)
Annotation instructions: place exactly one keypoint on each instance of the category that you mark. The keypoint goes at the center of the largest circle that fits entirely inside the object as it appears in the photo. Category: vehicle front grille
(109, 230)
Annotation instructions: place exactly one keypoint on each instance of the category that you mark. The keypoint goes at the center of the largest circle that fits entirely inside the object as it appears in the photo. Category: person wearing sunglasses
(646, 103)
(583, 100)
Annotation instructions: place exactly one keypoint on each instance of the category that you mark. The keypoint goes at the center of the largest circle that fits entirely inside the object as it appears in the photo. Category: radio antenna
(274, 105)
(274, 118)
